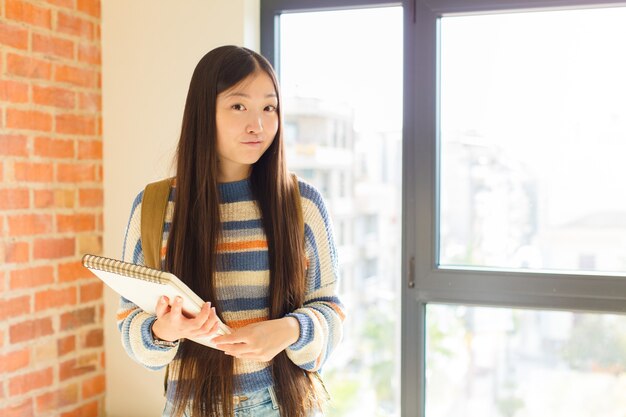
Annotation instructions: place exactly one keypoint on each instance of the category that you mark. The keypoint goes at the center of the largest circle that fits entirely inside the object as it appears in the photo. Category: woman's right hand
(172, 324)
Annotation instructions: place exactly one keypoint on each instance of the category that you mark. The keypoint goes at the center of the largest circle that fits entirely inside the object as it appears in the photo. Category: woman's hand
(260, 341)
(172, 324)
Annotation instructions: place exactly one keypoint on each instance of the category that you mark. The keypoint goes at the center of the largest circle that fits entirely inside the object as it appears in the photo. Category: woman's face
(247, 121)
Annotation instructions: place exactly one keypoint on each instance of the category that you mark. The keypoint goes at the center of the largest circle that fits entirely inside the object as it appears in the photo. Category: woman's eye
(270, 108)
(238, 107)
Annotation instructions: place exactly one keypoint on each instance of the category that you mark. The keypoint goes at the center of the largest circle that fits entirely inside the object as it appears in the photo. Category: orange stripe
(241, 323)
(338, 310)
(235, 246)
(318, 361)
(319, 315)
(121, 316)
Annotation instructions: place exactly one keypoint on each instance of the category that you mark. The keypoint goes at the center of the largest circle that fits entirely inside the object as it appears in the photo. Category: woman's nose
(255, 124)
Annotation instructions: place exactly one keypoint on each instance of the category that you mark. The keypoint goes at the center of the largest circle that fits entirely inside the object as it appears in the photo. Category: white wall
(149, 51)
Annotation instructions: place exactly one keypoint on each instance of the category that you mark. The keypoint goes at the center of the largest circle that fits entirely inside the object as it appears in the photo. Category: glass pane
(342, 105)
(533, 137)
(497, 362)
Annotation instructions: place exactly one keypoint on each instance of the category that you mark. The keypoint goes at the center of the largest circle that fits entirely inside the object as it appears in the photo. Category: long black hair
(205, 376)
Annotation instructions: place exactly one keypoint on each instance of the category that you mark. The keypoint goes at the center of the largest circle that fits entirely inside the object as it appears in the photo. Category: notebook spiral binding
(124, 268)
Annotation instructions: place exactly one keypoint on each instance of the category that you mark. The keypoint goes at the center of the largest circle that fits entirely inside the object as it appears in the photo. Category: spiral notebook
(143, 286)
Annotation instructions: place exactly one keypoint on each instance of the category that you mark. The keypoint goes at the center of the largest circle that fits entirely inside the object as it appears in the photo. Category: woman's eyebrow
(239, 94)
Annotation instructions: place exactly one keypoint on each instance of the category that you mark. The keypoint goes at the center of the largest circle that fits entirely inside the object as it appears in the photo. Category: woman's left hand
(260, 341)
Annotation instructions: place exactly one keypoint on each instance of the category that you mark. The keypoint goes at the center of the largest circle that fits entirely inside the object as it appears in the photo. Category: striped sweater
(243, 289)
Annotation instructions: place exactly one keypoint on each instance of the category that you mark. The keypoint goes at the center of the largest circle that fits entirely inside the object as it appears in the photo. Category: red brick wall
(51, 347)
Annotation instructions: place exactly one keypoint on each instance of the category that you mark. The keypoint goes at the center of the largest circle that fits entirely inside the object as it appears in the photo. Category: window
(347, 108)
(290, 132)
(486, 177)
(512, 221)
(533, 130)
(497, 362)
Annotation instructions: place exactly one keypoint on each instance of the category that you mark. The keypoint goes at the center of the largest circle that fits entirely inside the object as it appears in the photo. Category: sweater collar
(232, 192)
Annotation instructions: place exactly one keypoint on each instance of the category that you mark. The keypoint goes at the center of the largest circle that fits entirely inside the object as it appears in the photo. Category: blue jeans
(257, 404)
(260, 403)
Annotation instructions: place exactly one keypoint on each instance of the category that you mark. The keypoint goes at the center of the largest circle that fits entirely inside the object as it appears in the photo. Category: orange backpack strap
(153, 207)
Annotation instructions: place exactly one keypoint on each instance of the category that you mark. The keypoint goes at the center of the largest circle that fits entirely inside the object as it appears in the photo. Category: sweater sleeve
(321, 317)
(134, 324)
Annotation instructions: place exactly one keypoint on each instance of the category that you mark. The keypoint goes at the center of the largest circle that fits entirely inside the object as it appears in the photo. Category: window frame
(423, 280)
